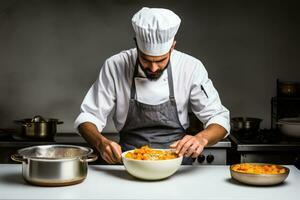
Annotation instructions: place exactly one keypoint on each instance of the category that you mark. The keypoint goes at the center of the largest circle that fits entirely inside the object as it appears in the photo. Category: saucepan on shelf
(245, 124)
(290, 126)
(38, 127)
(54, 165)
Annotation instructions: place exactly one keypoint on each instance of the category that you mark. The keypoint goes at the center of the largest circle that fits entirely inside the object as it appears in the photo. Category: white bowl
(151, 169)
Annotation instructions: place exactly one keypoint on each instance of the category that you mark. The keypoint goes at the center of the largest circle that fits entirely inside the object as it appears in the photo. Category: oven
(214, 155)
(265, 146)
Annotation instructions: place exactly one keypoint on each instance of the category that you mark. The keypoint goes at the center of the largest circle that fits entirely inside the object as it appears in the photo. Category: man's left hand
(189, 146)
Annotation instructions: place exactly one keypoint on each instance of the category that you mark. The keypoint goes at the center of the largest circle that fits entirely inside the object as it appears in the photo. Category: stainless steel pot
(245, 123)
(54, 165)
(290, 127)
(38, 127)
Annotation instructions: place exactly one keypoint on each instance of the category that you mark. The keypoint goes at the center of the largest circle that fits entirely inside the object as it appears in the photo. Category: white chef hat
(155, 29)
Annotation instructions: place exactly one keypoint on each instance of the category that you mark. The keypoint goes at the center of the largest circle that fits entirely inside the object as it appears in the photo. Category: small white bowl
(151, 169)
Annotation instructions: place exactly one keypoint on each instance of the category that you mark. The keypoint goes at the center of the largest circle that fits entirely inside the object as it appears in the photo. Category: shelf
(286, 98)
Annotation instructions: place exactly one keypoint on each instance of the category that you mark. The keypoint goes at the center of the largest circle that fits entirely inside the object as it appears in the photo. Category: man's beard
(153, 76)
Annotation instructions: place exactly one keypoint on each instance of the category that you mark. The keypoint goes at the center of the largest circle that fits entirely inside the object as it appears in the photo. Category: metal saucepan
(290, 127)
(54, 165)
(38, 127)
(245, 123)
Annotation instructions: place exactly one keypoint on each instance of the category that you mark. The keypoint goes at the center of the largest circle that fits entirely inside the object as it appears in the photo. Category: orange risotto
(258, 169)
(147, 153)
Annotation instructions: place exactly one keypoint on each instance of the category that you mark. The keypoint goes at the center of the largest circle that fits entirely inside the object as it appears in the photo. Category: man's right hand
(110, 151)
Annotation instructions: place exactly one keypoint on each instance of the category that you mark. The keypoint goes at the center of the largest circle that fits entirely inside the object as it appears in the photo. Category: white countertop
(113, 182)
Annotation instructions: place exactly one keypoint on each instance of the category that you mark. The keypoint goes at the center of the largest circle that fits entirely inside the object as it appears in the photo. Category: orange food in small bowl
(258, 169)
(259, 173)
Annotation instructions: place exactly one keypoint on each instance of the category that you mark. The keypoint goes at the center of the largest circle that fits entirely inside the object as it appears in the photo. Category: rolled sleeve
(221, 120)
(88, 117)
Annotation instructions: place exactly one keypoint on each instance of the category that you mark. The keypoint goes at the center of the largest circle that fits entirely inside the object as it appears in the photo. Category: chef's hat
(155, 29)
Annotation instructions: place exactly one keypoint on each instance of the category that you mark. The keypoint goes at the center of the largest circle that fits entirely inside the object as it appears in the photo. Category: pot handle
(26, 125)
(23, 123)
(18, 158)
(56, 121)
(89, 158)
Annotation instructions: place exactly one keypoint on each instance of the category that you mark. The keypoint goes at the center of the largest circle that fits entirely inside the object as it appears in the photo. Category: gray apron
(157, 126)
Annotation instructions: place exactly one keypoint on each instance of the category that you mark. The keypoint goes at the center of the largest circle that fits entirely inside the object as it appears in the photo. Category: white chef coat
(111, 91)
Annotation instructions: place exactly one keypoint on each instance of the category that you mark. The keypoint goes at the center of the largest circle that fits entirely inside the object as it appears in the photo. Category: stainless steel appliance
(270, 145)
(214, 155)
(267, 146)
(286, 103)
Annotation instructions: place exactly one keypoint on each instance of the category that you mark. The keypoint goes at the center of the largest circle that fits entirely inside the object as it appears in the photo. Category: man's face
(154, 66)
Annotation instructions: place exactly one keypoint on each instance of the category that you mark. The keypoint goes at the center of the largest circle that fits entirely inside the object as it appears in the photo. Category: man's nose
(153, 67)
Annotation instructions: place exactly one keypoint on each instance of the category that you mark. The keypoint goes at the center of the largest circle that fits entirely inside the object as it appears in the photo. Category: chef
(148, 90)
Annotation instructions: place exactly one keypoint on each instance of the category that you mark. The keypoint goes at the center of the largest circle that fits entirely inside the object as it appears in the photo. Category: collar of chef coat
(151, 92)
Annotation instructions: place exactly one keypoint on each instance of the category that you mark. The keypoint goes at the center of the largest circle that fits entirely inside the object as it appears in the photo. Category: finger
(197, 152)
(174, 144)
(117, 152)
(110, 154)
(191, 149)
(185, 147)
(181, 143)
(107, 158)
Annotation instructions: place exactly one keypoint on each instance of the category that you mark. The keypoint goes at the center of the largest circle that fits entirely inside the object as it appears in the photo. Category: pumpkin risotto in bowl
(151, 164)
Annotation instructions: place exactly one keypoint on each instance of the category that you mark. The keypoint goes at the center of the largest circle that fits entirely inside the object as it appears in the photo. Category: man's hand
(193, 145)
(110, 151)
(189, 146)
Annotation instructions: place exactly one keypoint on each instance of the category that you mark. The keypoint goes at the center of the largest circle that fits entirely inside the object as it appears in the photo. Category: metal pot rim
(86, 151)
(245, 119)
(29, 121)
(262, 175)
(292, 121)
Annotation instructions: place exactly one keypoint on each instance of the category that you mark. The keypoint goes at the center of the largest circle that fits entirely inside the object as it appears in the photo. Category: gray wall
(51, 51)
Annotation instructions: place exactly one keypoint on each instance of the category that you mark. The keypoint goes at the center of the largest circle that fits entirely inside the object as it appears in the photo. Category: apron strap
(133, 90)
(170, 81)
